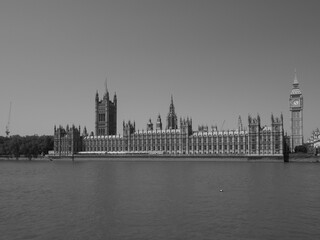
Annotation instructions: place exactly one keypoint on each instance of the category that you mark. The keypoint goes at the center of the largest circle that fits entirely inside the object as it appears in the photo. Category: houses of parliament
(177, 136)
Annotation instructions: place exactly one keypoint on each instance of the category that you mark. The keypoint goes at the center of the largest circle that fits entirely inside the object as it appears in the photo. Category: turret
(96, 112)
(240, 126)
(159, 123)
(149, 125)
(254, 124)
(115, 98)
(97, 96)
(203, 128)
(186, 126)
(84, 133)
(128, 128)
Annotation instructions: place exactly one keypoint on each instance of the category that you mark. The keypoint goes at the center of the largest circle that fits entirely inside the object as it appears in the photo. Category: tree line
(28, 146)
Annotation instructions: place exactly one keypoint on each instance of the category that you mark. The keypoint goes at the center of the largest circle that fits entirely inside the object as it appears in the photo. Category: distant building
(254, 140)
(313, 143)
(296, 108)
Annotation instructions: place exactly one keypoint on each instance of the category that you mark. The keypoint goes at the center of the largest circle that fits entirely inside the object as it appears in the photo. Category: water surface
(159, 200)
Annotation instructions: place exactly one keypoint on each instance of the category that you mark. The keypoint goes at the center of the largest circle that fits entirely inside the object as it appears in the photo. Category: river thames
(159, 200)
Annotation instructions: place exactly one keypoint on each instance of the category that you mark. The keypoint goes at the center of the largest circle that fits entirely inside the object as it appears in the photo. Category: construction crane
(8, 124)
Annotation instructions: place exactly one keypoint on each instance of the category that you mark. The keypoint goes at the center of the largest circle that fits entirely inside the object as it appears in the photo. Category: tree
(29, 146)
(301, 148)
(14, 146)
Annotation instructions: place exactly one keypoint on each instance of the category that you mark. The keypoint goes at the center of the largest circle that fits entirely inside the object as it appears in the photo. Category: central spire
(172, 117)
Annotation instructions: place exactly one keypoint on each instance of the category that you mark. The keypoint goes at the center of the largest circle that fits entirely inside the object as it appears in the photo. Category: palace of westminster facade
(178, 137)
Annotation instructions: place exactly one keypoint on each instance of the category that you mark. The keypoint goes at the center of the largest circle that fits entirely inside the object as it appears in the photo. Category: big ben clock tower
(296, 108)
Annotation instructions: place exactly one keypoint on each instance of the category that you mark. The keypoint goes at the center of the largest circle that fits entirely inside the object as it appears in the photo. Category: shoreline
(170, 158)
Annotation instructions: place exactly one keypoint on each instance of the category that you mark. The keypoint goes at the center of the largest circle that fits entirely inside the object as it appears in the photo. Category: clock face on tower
(295, 103)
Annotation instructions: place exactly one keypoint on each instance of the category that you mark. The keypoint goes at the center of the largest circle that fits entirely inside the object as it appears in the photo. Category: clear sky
(219, 59)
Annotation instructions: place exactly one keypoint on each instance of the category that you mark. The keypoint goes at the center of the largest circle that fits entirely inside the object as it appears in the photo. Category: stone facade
(255, 140)
(67, 141)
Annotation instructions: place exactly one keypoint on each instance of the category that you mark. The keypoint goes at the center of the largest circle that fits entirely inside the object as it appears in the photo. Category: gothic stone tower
(277, 135)
(254, 134)
(172, 121)
(105, 115)
(296, 108)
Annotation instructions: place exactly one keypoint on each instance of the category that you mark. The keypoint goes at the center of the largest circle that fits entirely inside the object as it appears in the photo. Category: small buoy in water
(221, 190)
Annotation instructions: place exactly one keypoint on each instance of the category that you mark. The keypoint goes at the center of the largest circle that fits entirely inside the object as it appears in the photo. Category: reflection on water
(159, 200)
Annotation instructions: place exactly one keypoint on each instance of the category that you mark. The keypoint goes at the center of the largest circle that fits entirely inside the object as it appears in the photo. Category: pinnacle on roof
(171, 104)
(295, 81)
(295, 86)
(106, 85)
